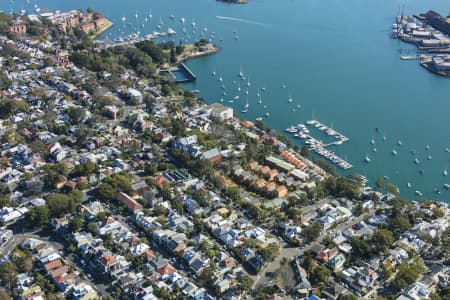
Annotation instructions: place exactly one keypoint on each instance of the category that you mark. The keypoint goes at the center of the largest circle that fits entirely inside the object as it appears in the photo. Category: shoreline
(185, 57)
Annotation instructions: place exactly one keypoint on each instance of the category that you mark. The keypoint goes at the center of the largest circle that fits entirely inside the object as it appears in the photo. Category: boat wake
(241, 20)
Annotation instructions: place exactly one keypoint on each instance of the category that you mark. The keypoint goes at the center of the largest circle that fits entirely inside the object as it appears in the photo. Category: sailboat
(290, 98)
(245, 107)
(214, 71)
(259, 101)
(136, 15)
(150, 14)
(248, 82)
(239, 87)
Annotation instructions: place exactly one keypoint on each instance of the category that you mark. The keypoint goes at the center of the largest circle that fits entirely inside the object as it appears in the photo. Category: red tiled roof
(108, 260)
(128, 201)
(52, 265)
(167, 269)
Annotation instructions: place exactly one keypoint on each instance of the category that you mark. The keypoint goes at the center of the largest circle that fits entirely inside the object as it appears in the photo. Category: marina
(301, 131)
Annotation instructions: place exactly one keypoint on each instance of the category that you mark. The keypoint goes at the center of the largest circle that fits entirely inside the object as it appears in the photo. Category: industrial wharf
(319, 147)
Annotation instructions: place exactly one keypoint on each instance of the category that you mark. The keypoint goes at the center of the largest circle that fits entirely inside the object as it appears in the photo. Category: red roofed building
(161, 181)
(87, 28)
(99, 22)
(52, 265)
(17, 29)
(129, 202)
(166, 270)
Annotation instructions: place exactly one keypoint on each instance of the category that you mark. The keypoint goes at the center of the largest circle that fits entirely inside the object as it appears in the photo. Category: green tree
(392, 188)
(10, 107)
(246, 282)
(320, 275)
(380, 183)
(8, 274)
(37, 216)
(382, 240)
(360, 247)
(312, 232)
(60, 204)
(406, 275)
(92, 227)
(75, 224)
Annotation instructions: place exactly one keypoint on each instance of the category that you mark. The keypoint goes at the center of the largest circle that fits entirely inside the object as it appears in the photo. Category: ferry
(409, 57)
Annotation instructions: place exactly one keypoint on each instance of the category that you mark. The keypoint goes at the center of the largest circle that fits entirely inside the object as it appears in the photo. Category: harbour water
(334, 58)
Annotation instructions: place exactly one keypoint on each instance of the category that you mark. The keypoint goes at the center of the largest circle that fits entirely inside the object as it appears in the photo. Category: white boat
(416, 161)
(136, 15)
(239, 87)
(298, 106)
(241, 74)
(447, 186)
(124, 19)
(220, 78)
(214, 71)
(394, 152)
(372, 141)
(367, 159)
(374, 149)
(384, 138)
(246, 92)
(444, 172)
(245, 106)
(267, 114)
(283, 86)
(221, 99)
(427, 147)
(418, 193)
(172, 16)
(236, 97)
(290, 98)
(399, 142)
(429, 157)
(408, 185)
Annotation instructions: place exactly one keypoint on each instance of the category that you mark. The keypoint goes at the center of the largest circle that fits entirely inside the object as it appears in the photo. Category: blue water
(334, 57)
